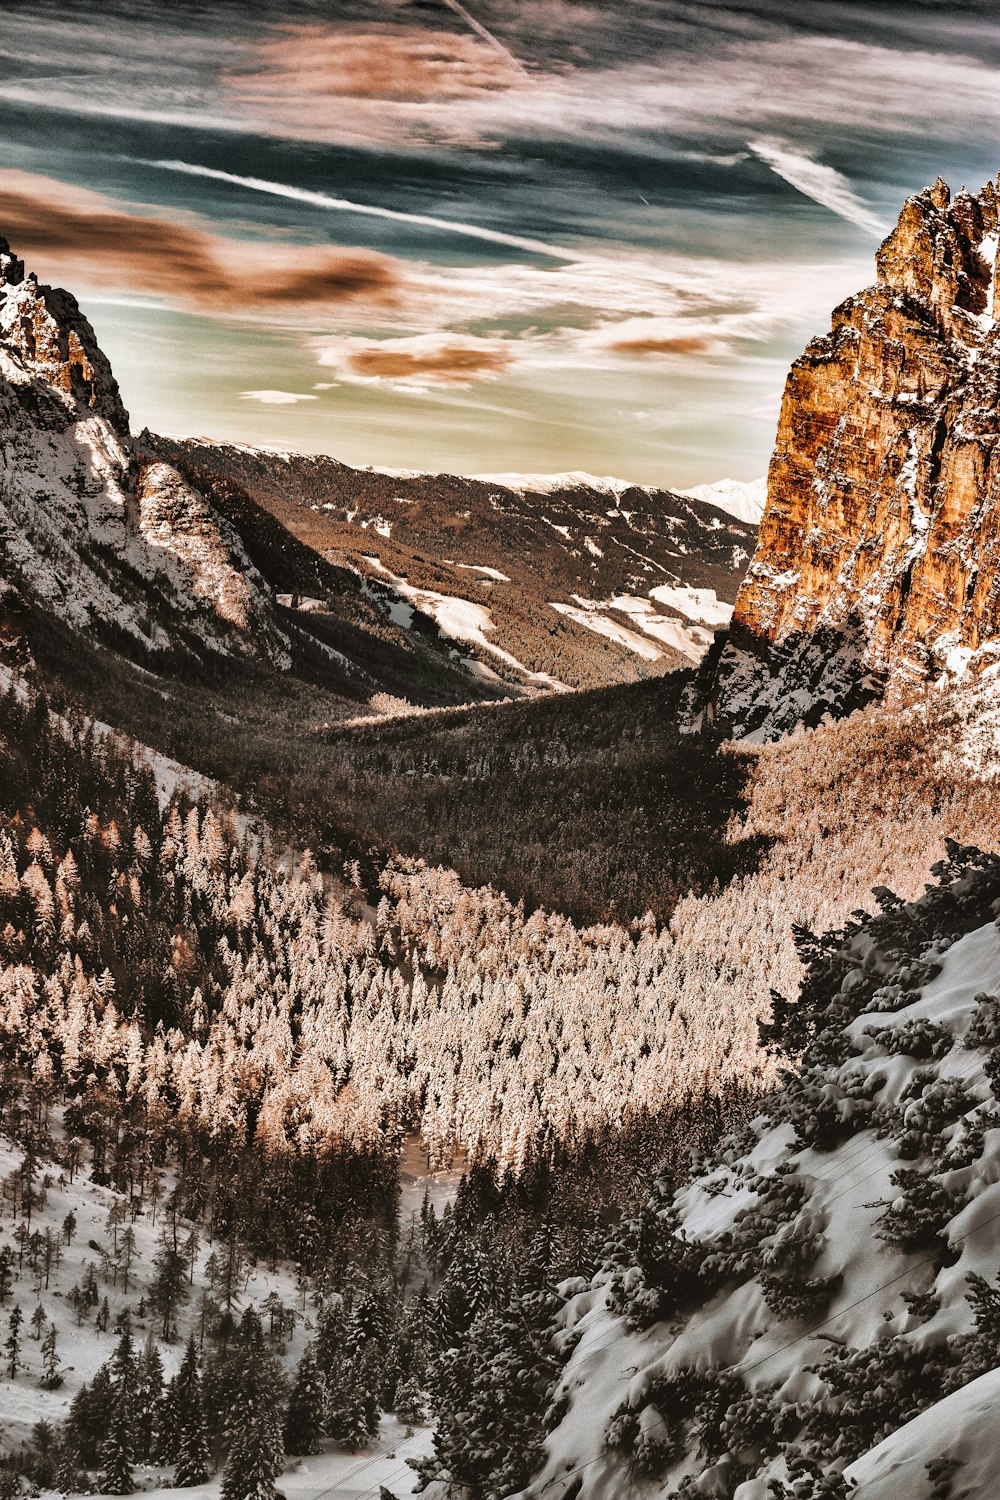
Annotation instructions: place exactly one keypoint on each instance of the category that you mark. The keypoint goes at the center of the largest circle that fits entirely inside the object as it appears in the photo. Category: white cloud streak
(275, 398)
(486, 35)
(823, 184)
(347, 205)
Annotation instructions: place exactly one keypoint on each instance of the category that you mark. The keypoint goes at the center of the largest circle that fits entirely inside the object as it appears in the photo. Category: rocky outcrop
(878, 563)
(46, 328)
(92, 530)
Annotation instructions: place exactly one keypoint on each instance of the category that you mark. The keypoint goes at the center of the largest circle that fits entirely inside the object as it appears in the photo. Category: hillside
(590, 582)
(821, 1300)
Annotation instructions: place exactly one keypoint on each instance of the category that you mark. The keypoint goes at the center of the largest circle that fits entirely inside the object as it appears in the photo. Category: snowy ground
(332, 1475)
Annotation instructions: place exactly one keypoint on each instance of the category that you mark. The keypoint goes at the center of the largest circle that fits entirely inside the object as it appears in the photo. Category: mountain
(91, 528)
(104, 542)
(742, 499)
(568, 581)
(818, 1308)
(878, 563)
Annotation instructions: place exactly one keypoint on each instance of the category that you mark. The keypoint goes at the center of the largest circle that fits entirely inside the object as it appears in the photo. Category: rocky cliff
(91, 530)
(878, 563)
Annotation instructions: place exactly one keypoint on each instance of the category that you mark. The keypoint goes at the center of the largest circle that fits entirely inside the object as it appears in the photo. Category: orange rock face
(880, 544)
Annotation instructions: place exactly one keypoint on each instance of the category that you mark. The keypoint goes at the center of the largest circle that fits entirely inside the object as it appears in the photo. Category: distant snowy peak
(744, 499)
(549, 484)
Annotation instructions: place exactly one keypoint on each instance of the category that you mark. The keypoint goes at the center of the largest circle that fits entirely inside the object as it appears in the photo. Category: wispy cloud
(348, 205)
(276, 398)
(823, 184)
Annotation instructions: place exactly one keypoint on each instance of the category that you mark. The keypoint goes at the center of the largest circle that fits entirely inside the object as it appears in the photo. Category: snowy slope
(767, 1327)
(744, 499)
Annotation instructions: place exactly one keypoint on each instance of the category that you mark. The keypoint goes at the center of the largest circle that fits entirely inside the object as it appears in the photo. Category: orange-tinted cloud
(371, 82)
(72, 235)
(451, 362)
(679, 344)
(308, 64)
(428, 359)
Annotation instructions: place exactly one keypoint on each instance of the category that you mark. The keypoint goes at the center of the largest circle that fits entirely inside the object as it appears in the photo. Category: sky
(508, 236)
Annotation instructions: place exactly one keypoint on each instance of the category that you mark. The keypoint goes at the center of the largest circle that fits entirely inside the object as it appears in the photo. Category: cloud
(276, 398)
(307, 65)
(77, 236)
(348, 205)
(824, 185)
(450, 359)
(672, 344)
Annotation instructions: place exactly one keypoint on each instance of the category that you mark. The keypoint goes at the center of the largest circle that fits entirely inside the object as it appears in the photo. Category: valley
(562, 836)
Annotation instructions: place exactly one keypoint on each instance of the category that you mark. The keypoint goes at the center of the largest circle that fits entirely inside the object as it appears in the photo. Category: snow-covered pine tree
(192, 1442)
(306, 1406)
(148, 1395)
(256, 1456)
(12, 1343)
(117, 1453)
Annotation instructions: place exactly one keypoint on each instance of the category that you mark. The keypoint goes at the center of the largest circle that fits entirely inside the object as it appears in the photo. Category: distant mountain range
(566, 581)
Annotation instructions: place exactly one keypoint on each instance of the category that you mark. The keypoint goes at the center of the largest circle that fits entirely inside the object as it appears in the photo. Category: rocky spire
(881, 537)
(45, 328)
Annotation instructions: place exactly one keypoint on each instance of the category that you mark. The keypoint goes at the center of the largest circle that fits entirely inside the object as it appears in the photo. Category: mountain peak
(46, 330)
(878, 560)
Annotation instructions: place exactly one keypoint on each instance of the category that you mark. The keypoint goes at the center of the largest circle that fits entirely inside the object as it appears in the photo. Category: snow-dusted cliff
(91, 529)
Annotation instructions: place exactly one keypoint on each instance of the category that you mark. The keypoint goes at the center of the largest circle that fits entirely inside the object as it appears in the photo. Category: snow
(546, 484)
(703, 605)
(602, 624)
(954, 1428)
(461, 620)
(646, 625)
(491, 573)
(334, 1474)
(846, 1189)
(740, 498)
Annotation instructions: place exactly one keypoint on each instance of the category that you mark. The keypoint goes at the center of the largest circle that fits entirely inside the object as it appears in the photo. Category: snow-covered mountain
(93, 529)
(578, 581)
(103, 540)
(818, 1309)
(744, 499)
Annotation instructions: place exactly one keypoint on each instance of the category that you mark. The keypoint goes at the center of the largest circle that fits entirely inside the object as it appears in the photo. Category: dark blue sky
(558, 234)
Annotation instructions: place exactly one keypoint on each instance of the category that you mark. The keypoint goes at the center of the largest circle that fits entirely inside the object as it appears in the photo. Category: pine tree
(90, 1417)
(51, 1373)
(304, 1418)
(117, 1454)
(169, 1290)
(166, 1435)
(192, 1442)
(409, 1404)
(67, 1475)
(148, 1395)
(256, 1456)
(12, 1343)
(6, 1273)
